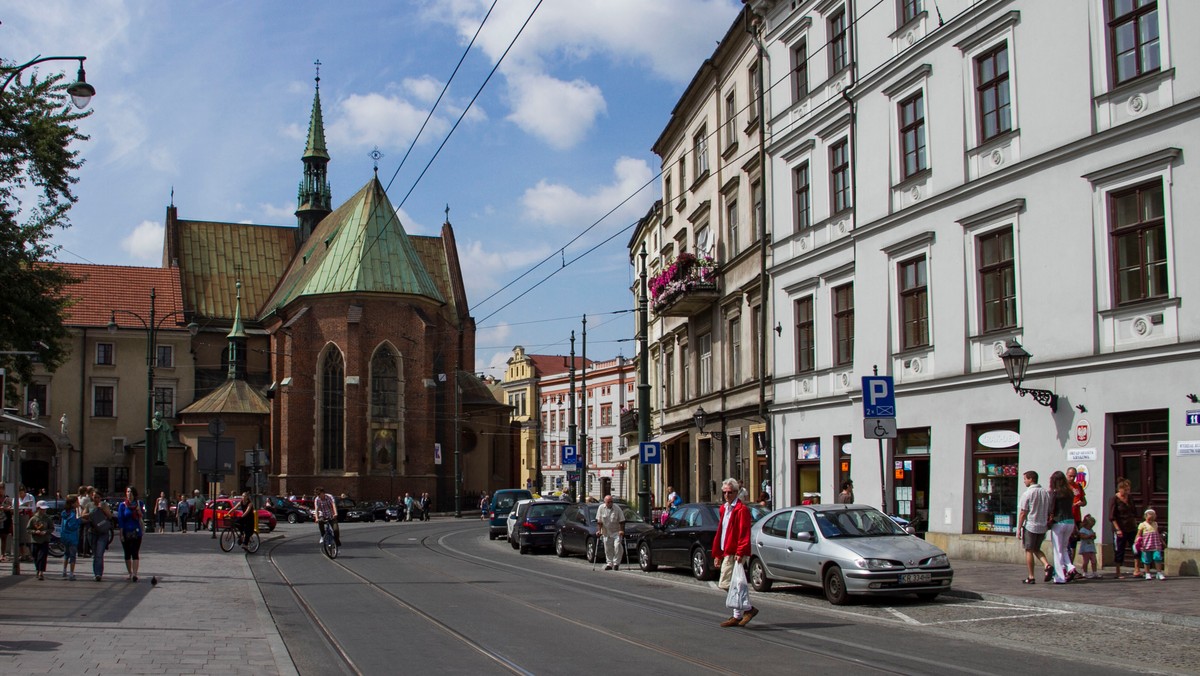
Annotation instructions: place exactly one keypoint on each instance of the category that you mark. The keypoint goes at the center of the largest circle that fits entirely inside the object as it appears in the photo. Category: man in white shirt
(610, 527)
(1033, 521)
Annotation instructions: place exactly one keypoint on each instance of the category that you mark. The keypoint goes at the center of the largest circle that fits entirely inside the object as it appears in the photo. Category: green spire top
(236, 333)
(316, 125)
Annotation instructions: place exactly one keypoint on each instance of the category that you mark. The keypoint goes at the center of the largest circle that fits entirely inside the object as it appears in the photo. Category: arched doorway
(39, 464)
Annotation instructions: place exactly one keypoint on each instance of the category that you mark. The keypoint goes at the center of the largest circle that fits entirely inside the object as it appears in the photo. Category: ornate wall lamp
(1016, 360)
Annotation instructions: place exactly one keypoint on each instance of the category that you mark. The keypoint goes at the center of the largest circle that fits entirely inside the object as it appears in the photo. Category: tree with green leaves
(37, 132)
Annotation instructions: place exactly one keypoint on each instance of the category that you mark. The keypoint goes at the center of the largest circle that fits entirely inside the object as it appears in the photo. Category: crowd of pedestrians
(1057, 512)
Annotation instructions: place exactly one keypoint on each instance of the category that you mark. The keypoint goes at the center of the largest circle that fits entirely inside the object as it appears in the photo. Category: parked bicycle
(232, 535)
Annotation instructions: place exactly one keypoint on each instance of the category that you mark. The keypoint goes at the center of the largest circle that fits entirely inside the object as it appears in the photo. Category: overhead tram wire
(392, 217)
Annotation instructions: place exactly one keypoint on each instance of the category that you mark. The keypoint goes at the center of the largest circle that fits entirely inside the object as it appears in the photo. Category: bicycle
(233, 535)
(328, 542)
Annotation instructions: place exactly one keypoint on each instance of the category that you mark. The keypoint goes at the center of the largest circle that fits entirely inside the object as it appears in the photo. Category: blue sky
(212, 99)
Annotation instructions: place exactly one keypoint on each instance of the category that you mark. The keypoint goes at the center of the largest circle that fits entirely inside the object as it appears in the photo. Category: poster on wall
(383, 448)
(810, 451)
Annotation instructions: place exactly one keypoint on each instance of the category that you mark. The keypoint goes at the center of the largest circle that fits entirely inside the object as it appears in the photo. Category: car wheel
(644, 561)
(514, 542)
(524, 548)
(835, 587)
(589, 550)
(758, 576)
(559, 547)
(701, 569)
(491, 535)
(292, 518)
(927, 596)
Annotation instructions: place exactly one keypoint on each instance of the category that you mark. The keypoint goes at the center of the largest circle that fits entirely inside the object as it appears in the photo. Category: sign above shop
(1000, 439)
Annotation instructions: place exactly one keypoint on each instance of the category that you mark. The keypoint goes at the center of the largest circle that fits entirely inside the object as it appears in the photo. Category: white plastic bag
(738, 597)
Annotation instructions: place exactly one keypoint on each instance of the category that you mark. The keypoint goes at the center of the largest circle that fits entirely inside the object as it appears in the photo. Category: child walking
(1150, 543)
(69, 535)
(1087, 547)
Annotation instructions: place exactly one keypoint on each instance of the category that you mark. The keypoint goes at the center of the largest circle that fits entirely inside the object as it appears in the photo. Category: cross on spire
(317, 63)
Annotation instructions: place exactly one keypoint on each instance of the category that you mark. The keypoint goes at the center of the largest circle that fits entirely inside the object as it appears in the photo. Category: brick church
(343, 348)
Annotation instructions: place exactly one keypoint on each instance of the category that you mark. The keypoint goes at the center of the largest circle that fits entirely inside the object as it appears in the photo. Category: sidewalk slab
(205, 615)
(1175, 600)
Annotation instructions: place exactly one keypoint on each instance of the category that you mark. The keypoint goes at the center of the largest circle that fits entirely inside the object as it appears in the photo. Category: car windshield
(856, 523)
(554, 510)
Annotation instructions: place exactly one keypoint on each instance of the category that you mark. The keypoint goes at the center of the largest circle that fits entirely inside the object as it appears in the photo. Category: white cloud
(367, 120)
(424, 89)
(145, 243)
(276, 213)
(556, 204)
(484, 268)
(558, 112)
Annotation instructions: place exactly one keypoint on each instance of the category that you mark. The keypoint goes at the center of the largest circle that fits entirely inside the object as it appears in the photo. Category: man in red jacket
(731, 545)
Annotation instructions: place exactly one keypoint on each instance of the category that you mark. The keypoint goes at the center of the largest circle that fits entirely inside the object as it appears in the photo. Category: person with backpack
(69, 536)
(101, 520)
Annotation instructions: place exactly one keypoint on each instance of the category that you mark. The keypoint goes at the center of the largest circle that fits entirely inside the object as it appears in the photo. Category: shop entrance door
(1143, 456)
(911, 490)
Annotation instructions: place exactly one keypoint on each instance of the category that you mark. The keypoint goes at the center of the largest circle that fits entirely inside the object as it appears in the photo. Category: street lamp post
(81, 92)
(151, 326)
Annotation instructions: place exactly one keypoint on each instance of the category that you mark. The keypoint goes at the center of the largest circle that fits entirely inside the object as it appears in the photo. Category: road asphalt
(206, 614)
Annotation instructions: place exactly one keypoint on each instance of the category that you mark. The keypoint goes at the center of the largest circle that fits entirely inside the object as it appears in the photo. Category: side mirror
(804, 537)
(910, 530)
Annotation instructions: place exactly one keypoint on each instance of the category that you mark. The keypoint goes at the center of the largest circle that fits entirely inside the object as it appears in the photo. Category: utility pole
(643, 399)
(571, 430)
(583, 441)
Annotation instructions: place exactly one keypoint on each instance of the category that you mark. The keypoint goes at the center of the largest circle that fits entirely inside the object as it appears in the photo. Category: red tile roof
(104, 288)
(546, 364)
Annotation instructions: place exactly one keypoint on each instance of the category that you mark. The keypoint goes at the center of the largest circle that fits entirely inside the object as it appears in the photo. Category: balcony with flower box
(686, 287)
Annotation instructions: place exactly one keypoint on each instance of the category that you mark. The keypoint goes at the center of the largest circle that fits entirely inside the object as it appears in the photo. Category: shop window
(807, 453)
(842, 444)
(995, 456)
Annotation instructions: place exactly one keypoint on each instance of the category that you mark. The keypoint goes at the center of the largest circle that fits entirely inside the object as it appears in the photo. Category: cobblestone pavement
(204, 616)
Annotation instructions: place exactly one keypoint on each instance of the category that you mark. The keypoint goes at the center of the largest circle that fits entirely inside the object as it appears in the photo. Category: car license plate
(915, 578)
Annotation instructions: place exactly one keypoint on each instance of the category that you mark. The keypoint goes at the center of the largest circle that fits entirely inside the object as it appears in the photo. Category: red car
(225, 510)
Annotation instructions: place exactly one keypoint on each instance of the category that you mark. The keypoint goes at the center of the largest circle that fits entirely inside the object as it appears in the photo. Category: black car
(350, 511)
(685, 540)
(537, 522)
(577, 530)
(380, 510)
(286, 510)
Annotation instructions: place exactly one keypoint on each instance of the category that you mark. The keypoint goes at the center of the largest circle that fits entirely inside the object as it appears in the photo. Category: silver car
(845, 550)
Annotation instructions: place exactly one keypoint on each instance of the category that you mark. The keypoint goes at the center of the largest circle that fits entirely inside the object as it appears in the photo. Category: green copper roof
(360, 247)
(316, 130)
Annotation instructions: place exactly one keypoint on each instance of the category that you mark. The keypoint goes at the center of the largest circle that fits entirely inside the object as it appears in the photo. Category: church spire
(237, 335)
(314, 199)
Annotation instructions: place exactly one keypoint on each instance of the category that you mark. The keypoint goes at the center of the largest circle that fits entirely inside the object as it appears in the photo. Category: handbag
(738, 597)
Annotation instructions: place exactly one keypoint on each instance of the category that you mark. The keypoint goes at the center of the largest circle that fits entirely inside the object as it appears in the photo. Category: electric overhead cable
(711, 135)
(446, 139)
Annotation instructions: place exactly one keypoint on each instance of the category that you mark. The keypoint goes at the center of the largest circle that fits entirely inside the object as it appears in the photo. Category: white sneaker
(1149, 577)
(1161, 576)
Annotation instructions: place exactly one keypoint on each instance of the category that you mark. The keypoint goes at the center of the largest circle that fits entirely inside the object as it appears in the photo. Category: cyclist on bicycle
(245, 522)
(325, 509)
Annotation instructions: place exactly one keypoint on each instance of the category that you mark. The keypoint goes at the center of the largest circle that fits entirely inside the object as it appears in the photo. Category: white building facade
(1019, 175)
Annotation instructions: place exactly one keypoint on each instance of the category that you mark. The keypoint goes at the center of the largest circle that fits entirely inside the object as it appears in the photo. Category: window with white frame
(668, 193)
(685, 374)
(735, 351)
(839, 47)
(911, 116)
(996, 264)
(993, 103)
(805, 335)
(668, 381)
(164, 400)
(1133, 39)
(914, 303)
(682, 177)
(839, 176)
(800, 71)
(700, 154)
(166, 356)
(802, 200)
(756, 217)
(706, 364)
(843, 324)
(104, 354)
(731, 217)
(37, 393)
(1138, 242)
(755, 92)
(755, 337)
(104, 401)
(730, 119)
(908, 11)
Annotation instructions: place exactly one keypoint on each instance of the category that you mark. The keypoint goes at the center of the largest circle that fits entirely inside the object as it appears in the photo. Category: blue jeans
(99, 544)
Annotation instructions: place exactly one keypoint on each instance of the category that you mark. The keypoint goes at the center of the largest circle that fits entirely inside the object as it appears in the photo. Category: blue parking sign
(570, 455)
(650, 453)
(879, 397)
